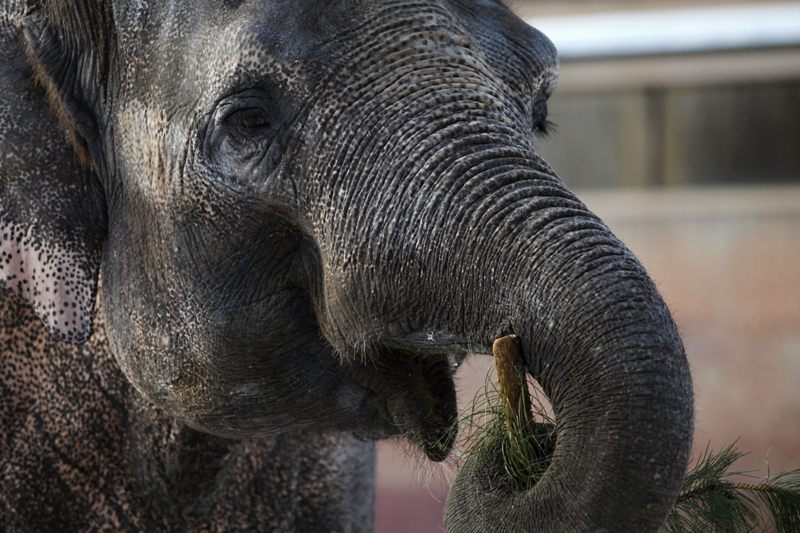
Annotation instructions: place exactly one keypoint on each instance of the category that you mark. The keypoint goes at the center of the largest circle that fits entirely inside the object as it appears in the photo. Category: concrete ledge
(677, 71)
(693, 204)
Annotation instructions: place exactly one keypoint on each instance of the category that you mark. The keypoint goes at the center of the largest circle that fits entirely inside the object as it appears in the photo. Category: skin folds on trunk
(436, 216)
(470, 235)
(601, 342)
(527, 256)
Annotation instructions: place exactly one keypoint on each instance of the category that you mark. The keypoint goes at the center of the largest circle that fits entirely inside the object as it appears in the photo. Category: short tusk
(513, 383)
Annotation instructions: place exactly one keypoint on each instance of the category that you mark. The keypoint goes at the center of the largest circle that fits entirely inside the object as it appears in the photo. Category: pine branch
(710, 501)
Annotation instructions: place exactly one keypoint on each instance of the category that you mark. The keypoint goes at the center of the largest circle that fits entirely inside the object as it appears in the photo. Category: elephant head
(305, 214)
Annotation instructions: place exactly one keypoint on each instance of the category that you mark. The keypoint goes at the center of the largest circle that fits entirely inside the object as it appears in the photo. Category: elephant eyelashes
(244, 125)
(544, 129)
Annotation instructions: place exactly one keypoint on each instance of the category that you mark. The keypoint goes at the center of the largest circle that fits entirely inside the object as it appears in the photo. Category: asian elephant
(287, 222)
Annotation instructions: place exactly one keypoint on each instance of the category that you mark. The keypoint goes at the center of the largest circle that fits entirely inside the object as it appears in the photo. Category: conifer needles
(711, 500)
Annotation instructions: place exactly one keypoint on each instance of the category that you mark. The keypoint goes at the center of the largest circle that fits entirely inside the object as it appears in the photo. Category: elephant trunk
(465, 234)
(519, 252)
(602, 344)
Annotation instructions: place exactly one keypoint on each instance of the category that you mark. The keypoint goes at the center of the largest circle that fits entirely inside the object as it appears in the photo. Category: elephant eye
(249, 122)
(241, 133)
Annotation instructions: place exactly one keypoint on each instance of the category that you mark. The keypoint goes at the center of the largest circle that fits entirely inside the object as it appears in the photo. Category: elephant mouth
(423, 408)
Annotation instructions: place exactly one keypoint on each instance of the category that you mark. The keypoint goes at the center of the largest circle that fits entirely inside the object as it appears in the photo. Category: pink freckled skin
(48, 276)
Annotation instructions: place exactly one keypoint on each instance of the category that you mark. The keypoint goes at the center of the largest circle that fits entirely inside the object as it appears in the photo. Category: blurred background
(678, 122)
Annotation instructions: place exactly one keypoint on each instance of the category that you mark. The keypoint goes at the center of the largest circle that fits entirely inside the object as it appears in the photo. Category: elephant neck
(85, 441)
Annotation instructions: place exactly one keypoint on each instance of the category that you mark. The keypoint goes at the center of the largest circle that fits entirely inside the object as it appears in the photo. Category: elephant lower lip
(439, 450)
(428, 416)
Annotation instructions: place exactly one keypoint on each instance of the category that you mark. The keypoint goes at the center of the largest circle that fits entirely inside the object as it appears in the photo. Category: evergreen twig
(711, 501)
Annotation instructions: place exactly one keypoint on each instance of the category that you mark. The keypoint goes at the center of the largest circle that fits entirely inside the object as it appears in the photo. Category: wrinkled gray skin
(304, 215)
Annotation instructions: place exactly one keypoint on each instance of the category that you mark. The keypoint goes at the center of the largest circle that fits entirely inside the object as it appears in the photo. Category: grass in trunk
(505, 420)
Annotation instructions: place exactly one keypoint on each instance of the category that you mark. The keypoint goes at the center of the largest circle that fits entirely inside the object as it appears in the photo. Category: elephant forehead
(174, 53)
(167, 42)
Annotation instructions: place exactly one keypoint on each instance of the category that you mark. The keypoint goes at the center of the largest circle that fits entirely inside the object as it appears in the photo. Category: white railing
(683, 30)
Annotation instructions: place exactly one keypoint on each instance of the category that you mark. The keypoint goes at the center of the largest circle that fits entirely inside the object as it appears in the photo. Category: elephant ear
(52, 214)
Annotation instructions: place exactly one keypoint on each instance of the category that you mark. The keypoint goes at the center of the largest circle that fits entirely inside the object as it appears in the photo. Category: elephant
(243, 240)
